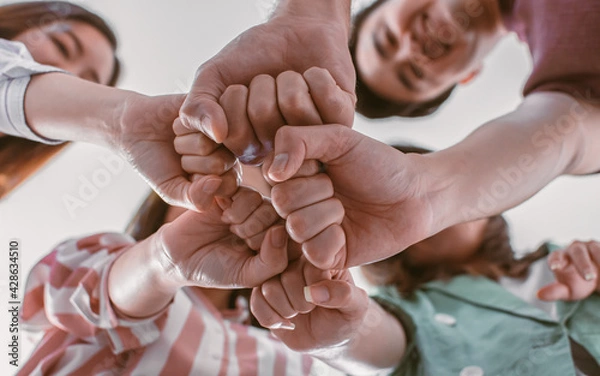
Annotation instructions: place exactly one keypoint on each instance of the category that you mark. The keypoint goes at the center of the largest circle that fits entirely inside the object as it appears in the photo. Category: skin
(73, 46)
(299, 35)
(413, 51)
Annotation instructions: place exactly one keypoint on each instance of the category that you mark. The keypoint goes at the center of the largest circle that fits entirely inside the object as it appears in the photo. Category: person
(461, 303)
(410, 56)
(42, 28)
(56, 59)
(168, 300)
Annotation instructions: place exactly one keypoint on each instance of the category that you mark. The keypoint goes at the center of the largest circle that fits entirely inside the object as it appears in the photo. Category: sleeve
(391, 304)
(68, 290)
(16, 68)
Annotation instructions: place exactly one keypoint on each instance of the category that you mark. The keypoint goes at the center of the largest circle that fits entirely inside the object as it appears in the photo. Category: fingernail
(316, 294)
(589, 276)
(206, 128)
(279, 164)
(211, 186)
(555, 266)
(283, 325)
(278, 237)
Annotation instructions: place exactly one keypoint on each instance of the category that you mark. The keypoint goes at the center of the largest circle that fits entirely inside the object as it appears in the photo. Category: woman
(50, 33)
(57, 59)
(111, 304)
(462, 305)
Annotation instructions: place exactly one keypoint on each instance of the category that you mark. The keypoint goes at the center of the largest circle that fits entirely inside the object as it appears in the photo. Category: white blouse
(16, 68)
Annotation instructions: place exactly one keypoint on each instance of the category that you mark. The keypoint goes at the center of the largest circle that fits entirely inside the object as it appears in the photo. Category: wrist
(438, 179)
(332, 12)
(137, 286)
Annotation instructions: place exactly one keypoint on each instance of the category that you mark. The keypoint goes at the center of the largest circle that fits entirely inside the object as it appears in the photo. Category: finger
(270, 261)
(294, 145)
(334, 104)
(241, 139)
(307, 222)
(296, 194)
(265, 314)
(557, 260)
(578, 253)
(295, 102)
(263, 110)
(197, 195)
(553, 292)
(340, 295)
(293, 282)
(308, 168)
(328, 249)
(255, 241)
(217, 163)
(261, 219)
(243, 203)
(275, 295)
(195, 144)
(594, 248)
(201, 111)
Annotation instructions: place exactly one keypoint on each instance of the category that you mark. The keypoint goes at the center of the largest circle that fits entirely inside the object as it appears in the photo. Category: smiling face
(73, 46)
(412, 51)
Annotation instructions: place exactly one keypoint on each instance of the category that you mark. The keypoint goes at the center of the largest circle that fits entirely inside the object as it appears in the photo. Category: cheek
(39, 45)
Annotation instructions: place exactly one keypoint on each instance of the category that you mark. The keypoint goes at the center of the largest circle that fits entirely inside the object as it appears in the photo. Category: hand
(294, 39)
(332, 316)
(146, 140)
(203, 249)
(255, 113)
(202, 158)
(576, 270)
(385, 195)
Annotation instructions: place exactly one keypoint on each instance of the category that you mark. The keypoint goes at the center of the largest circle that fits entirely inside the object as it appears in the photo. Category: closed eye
(60, 46)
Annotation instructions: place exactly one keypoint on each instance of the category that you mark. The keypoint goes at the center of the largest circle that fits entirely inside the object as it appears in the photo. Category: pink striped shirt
(66, 297)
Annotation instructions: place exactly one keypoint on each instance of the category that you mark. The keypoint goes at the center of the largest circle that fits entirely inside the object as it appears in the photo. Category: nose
(407, 50)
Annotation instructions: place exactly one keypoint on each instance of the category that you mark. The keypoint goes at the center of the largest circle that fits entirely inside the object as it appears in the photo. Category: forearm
(137, 284)
(62, 107)
(378, 345)
(510, 159)
(337, 11)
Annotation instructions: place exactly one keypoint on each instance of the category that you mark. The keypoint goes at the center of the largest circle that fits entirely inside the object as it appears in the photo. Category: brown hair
(372, 105)
(495, 258)
(20, 158)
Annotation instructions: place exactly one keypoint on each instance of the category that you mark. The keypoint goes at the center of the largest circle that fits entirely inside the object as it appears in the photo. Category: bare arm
(62, 107)
(510, 159)
(378, 346)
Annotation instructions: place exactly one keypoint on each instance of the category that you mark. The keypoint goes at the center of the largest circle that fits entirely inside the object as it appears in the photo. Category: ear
(471, 75)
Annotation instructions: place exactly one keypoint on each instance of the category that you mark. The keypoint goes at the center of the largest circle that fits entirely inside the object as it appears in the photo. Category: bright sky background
(163, 42)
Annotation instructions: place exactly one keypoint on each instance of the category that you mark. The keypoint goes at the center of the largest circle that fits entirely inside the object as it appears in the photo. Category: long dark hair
(495, 258)
(371, 104)
(20, 158)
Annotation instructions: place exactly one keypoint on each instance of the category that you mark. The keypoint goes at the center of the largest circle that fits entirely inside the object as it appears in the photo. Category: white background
(161, 45)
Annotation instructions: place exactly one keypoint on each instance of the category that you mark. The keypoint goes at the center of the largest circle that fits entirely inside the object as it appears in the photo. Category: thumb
(336, 294)
(271, 260)
(197, 195)
(554, 291)
(201, 110)
(294, 145)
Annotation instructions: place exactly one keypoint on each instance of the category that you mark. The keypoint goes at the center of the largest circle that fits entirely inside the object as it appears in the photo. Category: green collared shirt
(473, 326)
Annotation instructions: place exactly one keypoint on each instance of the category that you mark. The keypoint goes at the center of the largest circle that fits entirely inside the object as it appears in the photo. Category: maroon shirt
(564, 41)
